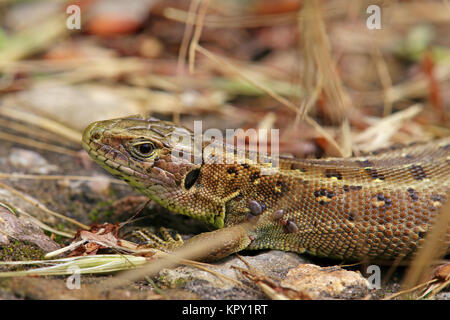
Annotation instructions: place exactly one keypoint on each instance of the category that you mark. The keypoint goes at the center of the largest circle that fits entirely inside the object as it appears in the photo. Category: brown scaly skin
(377, 207)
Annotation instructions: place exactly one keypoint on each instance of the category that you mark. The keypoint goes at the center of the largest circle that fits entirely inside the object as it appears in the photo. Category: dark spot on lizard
(232, 170)
(352, 216)
(239, 197)
(330, 173)
(364, 163)
(413, 194)
(254, 176)
(436, 197)
(319, 193)
(245, 166)
(374, 173)
(422, 234)
(324, 193)
(155, 161)
(417, 172)
(388, 202)
(296, 166)
(280, 187)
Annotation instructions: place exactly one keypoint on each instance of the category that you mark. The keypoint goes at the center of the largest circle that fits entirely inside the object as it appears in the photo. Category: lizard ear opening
(191, 178)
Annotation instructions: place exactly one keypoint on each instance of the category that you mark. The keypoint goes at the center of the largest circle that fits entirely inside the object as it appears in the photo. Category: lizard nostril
(96, 135)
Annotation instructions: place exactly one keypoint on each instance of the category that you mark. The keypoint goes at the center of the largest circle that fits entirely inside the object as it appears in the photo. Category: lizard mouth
(112, 160)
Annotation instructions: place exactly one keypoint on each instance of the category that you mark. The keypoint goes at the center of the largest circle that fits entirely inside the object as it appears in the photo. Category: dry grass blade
(45, 227)
(403, 292)
(318, 60)
(385, 79)
(83, 264)
(234, 70)
(42, 207)
(223, 62)
(193, 6)
(247, 21)
(58, 177)
(415, 88)
(432, 249)
(37, 144)
(378, 135)
(197, 34)
(34, 132)
(217, 274)
(42, 122)
(186, 253)
(232, 22)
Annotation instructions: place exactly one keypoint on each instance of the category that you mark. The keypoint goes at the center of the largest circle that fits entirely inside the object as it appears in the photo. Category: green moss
(93, 215)
(101, 209)
(180, 282)
(168, 282)
(20, 251)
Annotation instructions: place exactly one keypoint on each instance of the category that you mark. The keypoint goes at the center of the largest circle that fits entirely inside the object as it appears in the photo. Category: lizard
(376, 207)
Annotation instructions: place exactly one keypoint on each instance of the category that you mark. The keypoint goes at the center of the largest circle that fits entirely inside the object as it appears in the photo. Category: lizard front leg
(217, 244)
(208, 246)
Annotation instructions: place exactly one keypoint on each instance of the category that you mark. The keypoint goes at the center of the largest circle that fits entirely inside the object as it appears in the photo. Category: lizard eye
(144, 149)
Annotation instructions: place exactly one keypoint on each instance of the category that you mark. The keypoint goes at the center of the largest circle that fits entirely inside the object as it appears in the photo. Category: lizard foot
(164, 242)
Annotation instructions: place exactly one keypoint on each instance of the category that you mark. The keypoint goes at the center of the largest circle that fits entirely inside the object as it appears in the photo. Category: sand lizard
(377, 207)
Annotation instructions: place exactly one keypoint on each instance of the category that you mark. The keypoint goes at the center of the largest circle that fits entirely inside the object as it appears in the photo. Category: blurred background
(336, 77)
(330, 74)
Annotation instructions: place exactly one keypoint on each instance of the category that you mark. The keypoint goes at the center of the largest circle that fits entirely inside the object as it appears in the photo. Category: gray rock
(326, 282)
(274, 264)
(23, 229)
(30, 161)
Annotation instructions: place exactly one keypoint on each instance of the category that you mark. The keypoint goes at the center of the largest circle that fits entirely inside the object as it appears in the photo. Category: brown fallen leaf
(97, 237)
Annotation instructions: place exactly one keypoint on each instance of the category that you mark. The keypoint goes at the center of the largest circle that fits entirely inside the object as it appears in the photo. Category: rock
(326, 282)
(58, 102)
(101, 187)
(206, 285)
(20, 206)
(23, 229)
(30, 161)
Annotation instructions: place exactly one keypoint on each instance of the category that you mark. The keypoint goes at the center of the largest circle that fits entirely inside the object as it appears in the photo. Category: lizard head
(155, 157)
